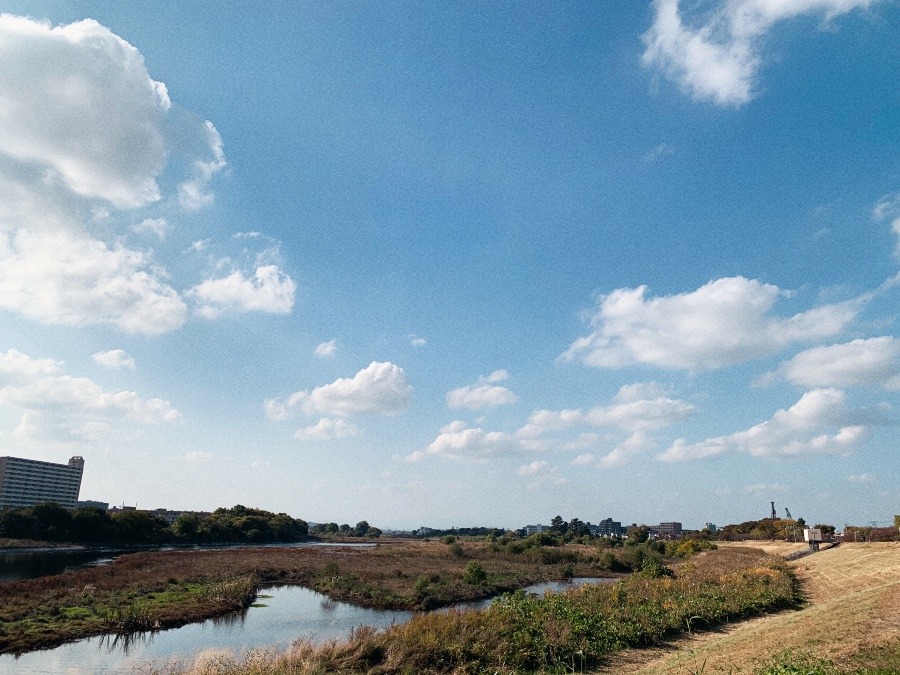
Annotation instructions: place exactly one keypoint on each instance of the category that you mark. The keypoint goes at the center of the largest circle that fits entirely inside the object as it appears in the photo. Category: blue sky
(456, 263)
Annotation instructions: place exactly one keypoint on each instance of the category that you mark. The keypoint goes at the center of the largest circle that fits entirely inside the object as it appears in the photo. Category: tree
(638, 534)
(345, 529)
(897, 522)
(361, 528)
(559, 525)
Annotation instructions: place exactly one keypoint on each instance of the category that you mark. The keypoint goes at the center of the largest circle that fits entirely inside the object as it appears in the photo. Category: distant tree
(139, 527)
(331, 528)
(373, 533)
(577, 528)
(827, 530)
(361, 528)
(897, 522)
(345, 529)
(559, 525)
(19, 524)
(637, 535)
(52, 520)
(91, 525)
(187, 527)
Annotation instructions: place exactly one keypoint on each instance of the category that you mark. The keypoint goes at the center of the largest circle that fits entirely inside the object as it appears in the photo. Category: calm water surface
(291, 612)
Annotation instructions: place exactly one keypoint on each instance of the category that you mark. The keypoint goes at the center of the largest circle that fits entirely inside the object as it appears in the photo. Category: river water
(282, 615)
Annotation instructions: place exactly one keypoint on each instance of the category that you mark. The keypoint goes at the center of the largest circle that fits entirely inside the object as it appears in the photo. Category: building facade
(26, 482)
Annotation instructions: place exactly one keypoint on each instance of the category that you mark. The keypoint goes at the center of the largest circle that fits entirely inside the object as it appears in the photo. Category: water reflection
(288, 613)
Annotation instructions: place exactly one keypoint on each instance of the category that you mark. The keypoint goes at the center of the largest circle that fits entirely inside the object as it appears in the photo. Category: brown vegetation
(164, 589)
(561, 633)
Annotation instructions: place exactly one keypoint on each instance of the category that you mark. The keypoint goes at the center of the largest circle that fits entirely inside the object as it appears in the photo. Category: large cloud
(380, 389)
(484, 394)
(49, 399)
(718, 60)
(724, 322)
(78, 103)
(819, 423)
(873, 362)
(90, 145)
(59, 278)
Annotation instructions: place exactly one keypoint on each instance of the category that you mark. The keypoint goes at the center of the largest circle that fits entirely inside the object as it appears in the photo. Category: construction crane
(774, 515)
(787, 511)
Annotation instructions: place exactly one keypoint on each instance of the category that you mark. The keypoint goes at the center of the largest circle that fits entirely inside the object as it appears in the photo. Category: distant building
(26, 482)
(91, 504)
(607, 528)
(670, 530)
(534, 529)
(710, 527)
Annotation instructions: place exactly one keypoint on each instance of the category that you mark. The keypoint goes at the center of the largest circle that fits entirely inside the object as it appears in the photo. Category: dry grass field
(853, 594)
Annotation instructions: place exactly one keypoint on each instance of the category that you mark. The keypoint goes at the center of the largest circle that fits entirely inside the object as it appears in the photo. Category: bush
(474, 574)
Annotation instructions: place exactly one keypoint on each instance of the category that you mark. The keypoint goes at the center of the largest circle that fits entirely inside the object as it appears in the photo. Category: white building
(26, 482)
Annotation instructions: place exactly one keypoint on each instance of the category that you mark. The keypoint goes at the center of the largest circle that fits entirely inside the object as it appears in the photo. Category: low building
(91, 504)
(26, 482)
(534, 529)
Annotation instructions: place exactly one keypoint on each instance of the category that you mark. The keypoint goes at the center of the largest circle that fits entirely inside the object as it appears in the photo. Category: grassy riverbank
(569, 632)
(151, 590)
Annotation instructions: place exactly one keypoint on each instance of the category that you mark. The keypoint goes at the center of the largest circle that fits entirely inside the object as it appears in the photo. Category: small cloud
(247, 235)
(861, 478)
(483, 394)
(114, 358)
(584, 460)
(155, 226)
(417, 341)
(662, 150)
(821, 233)
(761, 489)
(269, 290)
(542, 473)
(327, 429)
(326, 349)
(198, 457)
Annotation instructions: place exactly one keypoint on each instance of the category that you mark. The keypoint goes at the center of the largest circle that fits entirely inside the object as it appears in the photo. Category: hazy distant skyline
(456, 264)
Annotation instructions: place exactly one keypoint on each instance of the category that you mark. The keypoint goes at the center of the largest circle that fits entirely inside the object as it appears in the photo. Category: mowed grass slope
(853, 609)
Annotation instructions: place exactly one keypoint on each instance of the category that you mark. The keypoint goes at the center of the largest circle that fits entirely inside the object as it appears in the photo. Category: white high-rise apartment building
(26, 482)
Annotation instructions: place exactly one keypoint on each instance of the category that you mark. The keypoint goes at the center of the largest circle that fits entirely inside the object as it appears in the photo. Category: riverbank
(570, 632)
(851, 617)
(154, 590)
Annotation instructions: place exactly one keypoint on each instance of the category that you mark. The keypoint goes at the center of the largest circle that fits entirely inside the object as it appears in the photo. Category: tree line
(239, 524)
(362, 529)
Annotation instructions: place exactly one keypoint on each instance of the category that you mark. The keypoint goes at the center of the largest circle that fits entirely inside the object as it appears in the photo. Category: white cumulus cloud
(114, 358)
(872, 362)
(379, 389)
(326, 429)
(484, 394)
(268, 290)
(724, 322)
(459, 441)
(326, 349)
(819, 423)
(52, 401)
(718, 58)
(59, 278)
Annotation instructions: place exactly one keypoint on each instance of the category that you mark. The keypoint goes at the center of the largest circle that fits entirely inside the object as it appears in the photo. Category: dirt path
(854, 603)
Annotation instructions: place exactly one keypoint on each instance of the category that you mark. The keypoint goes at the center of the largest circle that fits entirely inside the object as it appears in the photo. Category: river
(281, 615)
